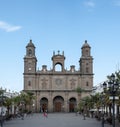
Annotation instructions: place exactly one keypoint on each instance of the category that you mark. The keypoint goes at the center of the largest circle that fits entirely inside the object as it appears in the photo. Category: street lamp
(113, 87)
(33, 108)
(22, 104)
(102, 98)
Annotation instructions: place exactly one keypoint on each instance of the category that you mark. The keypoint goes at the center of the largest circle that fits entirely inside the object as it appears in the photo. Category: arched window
(87, 69)
(29, 52)
(87, 53)
(87, 83)
(58, 67)
(29, 83)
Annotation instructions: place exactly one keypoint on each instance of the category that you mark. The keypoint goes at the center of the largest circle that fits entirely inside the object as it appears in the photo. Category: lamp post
(33, 108)
(113, 87)
(102, 106)
(22, 104)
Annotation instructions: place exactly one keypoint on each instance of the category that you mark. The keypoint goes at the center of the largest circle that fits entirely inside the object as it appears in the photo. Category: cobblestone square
(55, 120)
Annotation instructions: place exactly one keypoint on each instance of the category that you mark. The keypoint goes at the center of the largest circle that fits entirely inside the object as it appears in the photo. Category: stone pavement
(54, 120)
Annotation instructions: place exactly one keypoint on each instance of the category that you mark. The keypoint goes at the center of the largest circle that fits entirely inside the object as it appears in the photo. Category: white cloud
(89, 3)
(8, 27)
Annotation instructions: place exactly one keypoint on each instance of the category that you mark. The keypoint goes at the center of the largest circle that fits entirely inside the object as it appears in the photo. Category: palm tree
(16, 101)
(3, 99)
(27, 98)
(30, 98)
(96, 103)
(8, 103)
(87, 104)
(79, 90)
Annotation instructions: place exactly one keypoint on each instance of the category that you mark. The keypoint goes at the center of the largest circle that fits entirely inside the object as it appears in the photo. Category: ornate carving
(72, 83)
(58, 81)
(44, 83)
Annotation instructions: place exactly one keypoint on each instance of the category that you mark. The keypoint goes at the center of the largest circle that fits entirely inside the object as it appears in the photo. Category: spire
(30, 44)
(85, 44)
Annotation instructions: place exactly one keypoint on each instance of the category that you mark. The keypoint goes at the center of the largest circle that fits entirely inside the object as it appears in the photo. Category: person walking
(45, 113)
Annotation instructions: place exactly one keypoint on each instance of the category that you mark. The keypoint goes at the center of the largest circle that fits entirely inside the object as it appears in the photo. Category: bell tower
(30, 60)
(58, 59)
(86, 67)
(86, 60)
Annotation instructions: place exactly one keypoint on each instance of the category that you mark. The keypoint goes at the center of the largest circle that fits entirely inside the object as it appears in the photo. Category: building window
(58, 67)
(87, 84)
(87, 69)
(29, 52)
(29, 83)
(87, 52)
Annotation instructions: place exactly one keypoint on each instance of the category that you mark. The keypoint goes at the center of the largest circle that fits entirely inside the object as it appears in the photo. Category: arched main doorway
(58, 104)
(43, 104)
(72, 104)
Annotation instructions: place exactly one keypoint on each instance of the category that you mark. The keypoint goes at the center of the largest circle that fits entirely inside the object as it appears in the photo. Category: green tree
(27, 98)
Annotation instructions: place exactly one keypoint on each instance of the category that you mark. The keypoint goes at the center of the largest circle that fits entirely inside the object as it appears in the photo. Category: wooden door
(71, 107)
(44, 107)
(57, 106)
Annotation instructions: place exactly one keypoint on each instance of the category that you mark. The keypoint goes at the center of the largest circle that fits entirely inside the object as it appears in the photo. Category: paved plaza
(54, 120)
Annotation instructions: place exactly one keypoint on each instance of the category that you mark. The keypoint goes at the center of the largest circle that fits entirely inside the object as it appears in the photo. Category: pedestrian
(45, 113)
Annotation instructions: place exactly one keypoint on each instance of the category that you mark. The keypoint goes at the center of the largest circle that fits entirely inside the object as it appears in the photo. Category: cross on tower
(58, 52)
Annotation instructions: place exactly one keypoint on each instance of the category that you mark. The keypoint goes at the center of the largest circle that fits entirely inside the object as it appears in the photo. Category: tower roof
(86, 45)
(30, 44)
(58, 56)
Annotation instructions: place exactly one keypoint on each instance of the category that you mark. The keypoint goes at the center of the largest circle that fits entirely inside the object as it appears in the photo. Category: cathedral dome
(85, 45)
(30, 44)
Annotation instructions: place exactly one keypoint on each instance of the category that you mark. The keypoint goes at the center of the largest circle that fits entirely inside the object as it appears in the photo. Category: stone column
(50, 103)
(38, 102)
(66, 103)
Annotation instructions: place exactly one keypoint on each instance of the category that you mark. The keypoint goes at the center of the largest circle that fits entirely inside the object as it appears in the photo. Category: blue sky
(58, 25)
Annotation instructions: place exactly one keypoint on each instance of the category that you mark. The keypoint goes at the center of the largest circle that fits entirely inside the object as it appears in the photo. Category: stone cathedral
(55, 90)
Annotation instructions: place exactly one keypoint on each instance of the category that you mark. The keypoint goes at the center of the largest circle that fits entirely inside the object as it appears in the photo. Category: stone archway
(72, 104)
(43, 104)
(58, 104)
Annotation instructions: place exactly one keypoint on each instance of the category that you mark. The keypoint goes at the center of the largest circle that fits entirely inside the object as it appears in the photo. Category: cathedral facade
(55, 91)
